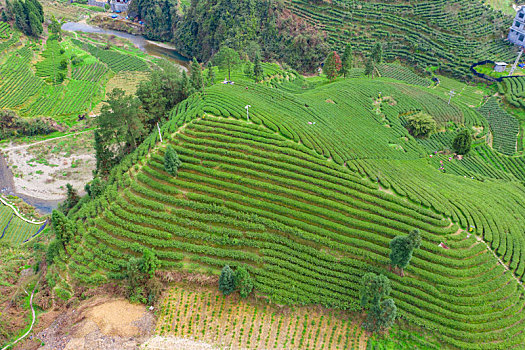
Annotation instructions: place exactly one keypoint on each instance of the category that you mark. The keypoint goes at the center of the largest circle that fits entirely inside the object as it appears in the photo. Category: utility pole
(247, 112)
(160, 135)
(451, 93)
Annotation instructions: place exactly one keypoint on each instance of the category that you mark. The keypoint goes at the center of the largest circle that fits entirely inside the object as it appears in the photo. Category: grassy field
(504, 6)
(206, 315)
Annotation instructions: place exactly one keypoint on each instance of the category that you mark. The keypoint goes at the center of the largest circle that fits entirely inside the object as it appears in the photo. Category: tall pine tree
(257, 68)
(171, 161)
(227, 281)
(196, 75)
(347, 60)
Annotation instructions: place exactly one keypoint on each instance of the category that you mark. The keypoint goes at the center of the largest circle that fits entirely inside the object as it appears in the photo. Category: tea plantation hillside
(58, 79)
(293, 193)
(450, 35)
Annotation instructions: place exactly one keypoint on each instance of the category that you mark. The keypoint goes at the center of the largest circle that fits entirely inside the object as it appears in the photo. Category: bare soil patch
(43, 170)
(99, 323)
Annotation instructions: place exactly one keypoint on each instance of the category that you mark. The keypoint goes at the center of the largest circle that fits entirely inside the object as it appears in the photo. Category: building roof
(500, 63)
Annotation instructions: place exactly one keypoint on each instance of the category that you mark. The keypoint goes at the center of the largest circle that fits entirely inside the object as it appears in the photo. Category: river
(148, 46)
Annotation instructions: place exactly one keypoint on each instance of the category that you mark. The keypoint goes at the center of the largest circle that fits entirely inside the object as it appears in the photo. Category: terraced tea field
(204, 314)
(439, 33)
(43, 80)
(306, 226)
(15, 230)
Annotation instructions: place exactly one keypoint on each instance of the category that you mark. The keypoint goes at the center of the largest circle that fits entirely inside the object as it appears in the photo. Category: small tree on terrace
(346, 62)
(377, 53)
(227, 281)
(332, 65)
(370, 67)
(196, 75)
(373, 289)
(402, 248)
(381, 316)
(226, 58)
(257, 68)
(462, 142)
(381, 313)
(421, 124)
(243, 281)
(171, 161)
(211, 74)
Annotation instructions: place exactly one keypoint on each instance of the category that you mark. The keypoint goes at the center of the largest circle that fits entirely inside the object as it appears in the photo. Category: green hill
(290, 194)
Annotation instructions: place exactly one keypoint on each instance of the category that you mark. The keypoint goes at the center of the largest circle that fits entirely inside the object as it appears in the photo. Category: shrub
(421, 124)
(227, 280)
(462, 142)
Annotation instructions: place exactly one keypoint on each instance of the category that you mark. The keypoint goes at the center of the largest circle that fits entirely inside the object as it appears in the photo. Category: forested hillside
(447, 35)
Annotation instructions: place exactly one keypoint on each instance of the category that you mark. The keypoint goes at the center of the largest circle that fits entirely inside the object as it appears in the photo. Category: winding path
(32, 322)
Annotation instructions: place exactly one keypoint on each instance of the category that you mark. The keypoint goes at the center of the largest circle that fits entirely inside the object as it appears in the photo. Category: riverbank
(7, 187)
(153, 48)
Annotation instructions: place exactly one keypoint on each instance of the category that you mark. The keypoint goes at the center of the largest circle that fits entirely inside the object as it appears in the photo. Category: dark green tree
(95, 187)
(120, 125)
(402, 248)
(28, 16)
(53, 250)
(332, 65)
(381, 316)
(196, 75)
(462, 142)
(103, 155)
(421, 124)
(381, 313)
(72, 198)
(163, 91)
(257, 68)
(211, 74)
(370, 67)
(377, 53)
(35, 24)
(227, 280)
(373, 289)
(171, 161)
(63, 228)
(226, 58)
(243, 281)
(347, 60)
(149, 262)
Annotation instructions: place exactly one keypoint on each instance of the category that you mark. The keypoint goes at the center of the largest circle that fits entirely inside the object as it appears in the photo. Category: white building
(517, 31)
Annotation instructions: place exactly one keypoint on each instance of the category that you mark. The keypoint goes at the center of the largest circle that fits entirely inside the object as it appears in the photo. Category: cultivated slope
(288, 199)
(449, 34)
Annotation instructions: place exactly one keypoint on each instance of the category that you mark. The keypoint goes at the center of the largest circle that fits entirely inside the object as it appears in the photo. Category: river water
(148, 46)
